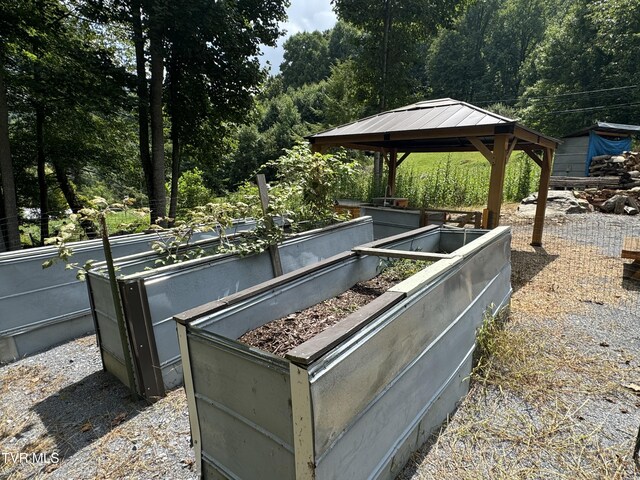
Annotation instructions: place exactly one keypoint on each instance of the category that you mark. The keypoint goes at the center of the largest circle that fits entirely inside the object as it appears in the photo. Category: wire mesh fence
(580, 256)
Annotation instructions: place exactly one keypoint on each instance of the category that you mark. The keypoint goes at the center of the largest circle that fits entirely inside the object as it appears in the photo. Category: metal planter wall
(357, 399)
(41, 308)
(391, 221)
(151, 298)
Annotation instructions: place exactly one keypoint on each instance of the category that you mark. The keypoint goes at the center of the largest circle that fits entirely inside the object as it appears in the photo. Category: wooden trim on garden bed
(309, 351)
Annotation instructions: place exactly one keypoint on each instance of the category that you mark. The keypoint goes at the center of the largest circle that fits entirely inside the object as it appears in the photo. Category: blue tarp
(603, 146)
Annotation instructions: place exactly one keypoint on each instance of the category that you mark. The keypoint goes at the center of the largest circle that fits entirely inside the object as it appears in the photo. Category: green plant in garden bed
(96, 215)
(308, 183)
(304, 193)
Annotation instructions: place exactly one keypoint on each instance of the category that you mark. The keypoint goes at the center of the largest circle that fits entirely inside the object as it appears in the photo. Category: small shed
(574, 155)
(448, 125)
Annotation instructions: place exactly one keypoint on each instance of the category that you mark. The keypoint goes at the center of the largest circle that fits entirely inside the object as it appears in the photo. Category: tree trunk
(175, 175)
(67, 188)
(143, 97)
(174, 109)
(158, 202)
(8, 227)
(385, 54)
(72, 199)
(42, 179)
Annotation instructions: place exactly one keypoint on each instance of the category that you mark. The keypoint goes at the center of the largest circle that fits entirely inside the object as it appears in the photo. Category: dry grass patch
(489, 438)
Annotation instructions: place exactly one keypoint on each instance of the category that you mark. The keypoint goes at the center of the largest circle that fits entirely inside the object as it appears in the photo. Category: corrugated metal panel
(571, 156)
(421, 345)
(41, 308)
(166, 291)
(388, 222)
(244, 410)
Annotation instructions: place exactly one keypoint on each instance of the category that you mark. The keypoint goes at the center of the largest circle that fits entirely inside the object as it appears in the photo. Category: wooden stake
(117, 302)
(274, 253)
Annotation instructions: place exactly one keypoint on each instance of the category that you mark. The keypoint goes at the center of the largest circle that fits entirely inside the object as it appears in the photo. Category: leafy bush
(308, 184)
(192, 191)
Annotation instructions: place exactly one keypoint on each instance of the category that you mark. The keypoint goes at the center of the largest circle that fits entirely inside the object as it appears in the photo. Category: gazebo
(448, 125)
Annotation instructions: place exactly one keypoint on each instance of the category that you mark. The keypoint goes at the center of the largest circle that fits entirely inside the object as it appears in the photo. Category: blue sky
(304, 15)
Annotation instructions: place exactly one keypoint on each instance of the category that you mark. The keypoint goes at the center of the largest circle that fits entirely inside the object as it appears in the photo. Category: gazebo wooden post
(543, 190)
(496, 181)
(393, 168)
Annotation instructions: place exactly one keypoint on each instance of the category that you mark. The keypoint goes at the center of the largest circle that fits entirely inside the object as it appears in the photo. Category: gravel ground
(555, 402)
(75, 421)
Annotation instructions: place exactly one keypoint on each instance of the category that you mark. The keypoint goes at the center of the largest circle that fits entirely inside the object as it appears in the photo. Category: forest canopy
(121, 98)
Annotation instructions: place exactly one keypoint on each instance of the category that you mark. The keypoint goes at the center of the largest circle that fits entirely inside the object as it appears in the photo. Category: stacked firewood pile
(625, 166)
(621, 202)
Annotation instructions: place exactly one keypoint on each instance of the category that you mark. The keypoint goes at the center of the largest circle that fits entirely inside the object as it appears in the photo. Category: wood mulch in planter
(280, 336)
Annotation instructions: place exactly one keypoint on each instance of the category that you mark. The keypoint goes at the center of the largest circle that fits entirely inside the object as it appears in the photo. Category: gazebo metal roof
(441, 125)
(448, 125)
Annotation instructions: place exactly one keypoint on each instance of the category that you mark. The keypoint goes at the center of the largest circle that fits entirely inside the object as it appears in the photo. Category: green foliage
(306, 59)
(590, 50)
(98, 210)
(393, 37)
(488, 338)
(398, 269)
(308, 183)
(447, 181)
(192, 191)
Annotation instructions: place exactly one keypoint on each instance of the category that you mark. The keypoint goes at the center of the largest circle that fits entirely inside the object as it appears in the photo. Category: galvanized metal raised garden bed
(391, 221)
(355, 400)
(151, 298)
(41, 308)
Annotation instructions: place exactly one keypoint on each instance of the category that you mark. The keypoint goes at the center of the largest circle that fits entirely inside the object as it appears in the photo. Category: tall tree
(157, 21)
(9, 223)
(306, 59)
(214, 72)
(457, 65)
(394, 30)
(583, 71)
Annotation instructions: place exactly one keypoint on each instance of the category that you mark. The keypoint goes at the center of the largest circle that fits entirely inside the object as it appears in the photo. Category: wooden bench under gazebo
(447, 125)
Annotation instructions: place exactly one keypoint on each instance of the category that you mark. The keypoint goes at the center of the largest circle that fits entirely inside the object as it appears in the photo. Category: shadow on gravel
(631, 284)
(526, 265)
(83, 412)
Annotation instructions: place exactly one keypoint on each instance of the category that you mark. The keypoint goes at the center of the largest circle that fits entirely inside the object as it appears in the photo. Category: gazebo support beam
(483, 149)
(532, 154)
(496, 182)
(392, 161)
(543, 190)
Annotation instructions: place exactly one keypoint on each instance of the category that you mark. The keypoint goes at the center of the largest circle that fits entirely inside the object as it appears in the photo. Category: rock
(630, 210)
(614, 204)
(559, 202)
(634, 174)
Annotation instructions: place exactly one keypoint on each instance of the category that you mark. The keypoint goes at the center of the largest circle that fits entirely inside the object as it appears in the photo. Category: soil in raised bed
(280, 336)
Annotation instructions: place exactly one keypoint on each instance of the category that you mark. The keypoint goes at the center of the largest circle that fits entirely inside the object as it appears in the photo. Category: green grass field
(461, 179)
(425, 162)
